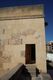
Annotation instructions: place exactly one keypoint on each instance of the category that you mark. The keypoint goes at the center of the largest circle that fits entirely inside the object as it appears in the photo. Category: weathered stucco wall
(14, 34)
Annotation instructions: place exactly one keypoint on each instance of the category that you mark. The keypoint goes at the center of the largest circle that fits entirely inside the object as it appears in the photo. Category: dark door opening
(30, 53)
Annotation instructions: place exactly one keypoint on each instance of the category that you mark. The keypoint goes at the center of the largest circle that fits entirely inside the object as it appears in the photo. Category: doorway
(30, 53)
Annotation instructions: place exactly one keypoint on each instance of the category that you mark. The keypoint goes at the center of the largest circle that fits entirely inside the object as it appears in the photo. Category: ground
(50, 68)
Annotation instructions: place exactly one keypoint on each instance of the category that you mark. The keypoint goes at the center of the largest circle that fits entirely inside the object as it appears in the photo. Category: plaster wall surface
(15, 34)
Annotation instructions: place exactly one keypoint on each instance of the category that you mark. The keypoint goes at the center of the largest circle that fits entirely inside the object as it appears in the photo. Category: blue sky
(48, 12)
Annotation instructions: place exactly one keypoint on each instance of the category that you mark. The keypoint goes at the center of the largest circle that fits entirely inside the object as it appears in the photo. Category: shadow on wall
(37, 72)
(21, 74)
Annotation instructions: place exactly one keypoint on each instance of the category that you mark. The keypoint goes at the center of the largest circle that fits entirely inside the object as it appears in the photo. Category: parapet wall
(21, 12)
